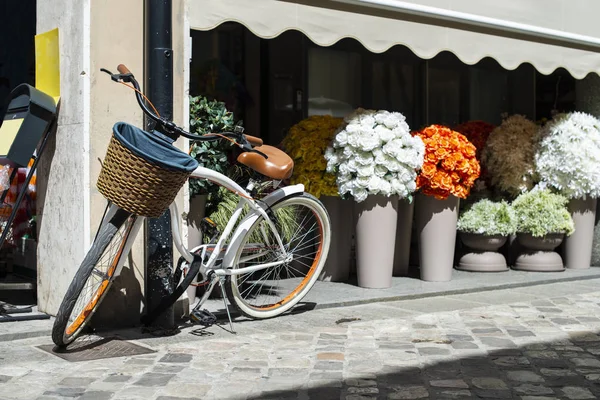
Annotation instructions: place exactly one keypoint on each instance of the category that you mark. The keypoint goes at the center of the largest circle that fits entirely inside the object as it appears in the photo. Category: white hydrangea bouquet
(568, 155)
(375, 153)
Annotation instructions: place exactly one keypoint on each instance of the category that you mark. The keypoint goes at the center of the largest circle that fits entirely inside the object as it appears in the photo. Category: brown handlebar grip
(253, 140)
(123, 69)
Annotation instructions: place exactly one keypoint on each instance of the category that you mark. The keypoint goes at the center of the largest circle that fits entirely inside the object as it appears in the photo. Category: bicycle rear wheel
(303, 224)
(93, 279)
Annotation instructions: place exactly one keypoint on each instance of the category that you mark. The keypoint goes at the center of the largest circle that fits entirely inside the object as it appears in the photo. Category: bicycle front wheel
(304, 226)
(93, 279)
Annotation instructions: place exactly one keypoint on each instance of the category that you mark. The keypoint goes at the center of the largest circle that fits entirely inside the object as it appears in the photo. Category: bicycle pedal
(203, 317)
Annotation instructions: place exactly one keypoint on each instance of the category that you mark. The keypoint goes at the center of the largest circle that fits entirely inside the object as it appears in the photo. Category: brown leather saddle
(277, 165)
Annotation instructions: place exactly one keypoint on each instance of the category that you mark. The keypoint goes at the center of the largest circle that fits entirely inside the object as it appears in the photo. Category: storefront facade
(414, 57)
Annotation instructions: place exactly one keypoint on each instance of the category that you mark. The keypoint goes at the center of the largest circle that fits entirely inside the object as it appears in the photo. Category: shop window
(444, 96)
(488, 93)
(554, 93)
(393, 88)
(334, 81)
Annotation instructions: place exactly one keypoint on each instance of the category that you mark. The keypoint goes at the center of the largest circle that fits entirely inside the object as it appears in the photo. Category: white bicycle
(262, 268)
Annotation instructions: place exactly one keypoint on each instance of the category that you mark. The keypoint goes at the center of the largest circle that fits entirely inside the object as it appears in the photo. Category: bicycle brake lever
(114, 77)
(118, 77)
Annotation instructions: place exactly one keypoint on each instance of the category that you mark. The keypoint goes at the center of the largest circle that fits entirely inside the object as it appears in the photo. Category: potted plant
(542, 222)
(375, 160)
(449, 171)
(568, 160)
(306, 142)
(508, 158)
(508, 155)
(477, 132)
(484, 227)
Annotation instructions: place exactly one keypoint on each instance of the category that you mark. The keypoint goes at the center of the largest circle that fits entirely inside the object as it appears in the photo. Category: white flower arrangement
(568, 155)
(509, 153)
(374, 153)
(488, 218)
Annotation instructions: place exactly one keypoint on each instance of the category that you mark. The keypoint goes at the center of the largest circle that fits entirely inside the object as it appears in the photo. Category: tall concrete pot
(375, 236)
(436, 226)
(403, 236)
(578, 246)
(195, 216)
(341, 213)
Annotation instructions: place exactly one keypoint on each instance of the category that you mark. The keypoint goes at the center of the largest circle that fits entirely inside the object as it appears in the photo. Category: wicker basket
(137, 185)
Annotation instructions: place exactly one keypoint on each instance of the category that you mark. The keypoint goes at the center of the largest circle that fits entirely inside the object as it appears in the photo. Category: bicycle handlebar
(169, 128)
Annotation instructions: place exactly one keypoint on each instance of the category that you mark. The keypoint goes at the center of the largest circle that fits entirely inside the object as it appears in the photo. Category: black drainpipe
(158, 85)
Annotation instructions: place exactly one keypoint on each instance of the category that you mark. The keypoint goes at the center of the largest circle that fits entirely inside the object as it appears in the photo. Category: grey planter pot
(578, 246)
(341, 213)
(538, 254)
(436, 226)
(403, 237)
(375, 237)
(194, 218)
(483, 255)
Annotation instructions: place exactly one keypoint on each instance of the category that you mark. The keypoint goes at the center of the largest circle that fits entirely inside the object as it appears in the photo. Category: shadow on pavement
(566, 369)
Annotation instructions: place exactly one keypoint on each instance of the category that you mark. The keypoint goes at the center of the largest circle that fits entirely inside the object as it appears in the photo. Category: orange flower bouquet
(450, 166)
(476, 132)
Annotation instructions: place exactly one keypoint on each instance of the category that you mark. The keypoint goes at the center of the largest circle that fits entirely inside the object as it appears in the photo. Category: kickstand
(222, 285)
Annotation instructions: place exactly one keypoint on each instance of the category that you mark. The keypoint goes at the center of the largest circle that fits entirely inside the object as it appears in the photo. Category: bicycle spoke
(278, 284)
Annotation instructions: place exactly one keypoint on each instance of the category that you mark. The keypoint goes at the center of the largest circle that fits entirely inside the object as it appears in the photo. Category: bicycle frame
(256, 211)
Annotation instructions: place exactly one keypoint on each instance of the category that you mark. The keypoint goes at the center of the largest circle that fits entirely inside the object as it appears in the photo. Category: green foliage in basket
(223, 204)
(540, 212)
(488, 218)
(208, 116)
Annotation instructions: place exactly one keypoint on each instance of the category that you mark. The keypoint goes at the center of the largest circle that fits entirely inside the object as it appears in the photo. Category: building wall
(93, 35)
(63, 175)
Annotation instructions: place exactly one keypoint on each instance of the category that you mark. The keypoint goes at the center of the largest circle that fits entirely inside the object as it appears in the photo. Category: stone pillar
(93, 35)
(588, 100)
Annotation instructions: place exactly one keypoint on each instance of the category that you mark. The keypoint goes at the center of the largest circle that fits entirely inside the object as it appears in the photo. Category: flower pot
(436, 226)
(194, 218)
(341, 214)
(482, 255)
(403, 236)
(578, 246)
(375, 237)
(538, 254)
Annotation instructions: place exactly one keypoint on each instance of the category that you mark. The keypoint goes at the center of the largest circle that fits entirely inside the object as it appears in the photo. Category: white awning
(547, 34)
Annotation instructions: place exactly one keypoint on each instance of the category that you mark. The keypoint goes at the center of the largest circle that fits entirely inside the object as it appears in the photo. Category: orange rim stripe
(304, 282)
(83, 315)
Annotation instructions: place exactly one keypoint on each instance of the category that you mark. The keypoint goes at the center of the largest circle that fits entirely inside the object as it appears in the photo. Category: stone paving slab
(338, 294)
(542, 346)
(335, 294)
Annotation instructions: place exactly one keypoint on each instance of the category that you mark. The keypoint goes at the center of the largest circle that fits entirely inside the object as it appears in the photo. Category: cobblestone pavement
(540, 343)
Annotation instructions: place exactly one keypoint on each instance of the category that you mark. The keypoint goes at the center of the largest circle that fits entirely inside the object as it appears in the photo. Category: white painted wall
(94, 34)
(63, 198)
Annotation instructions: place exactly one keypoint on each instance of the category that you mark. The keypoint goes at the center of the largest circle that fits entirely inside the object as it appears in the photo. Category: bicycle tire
(64, 332)
(288, 302)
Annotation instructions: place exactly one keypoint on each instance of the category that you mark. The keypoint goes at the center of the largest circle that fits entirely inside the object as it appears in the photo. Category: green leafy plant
(540, 212)
(223, 204)
(488, 218)
(210, 116)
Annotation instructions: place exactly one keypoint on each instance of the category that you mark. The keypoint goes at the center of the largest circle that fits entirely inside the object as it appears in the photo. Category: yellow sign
(47, 63)
(8, 132)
